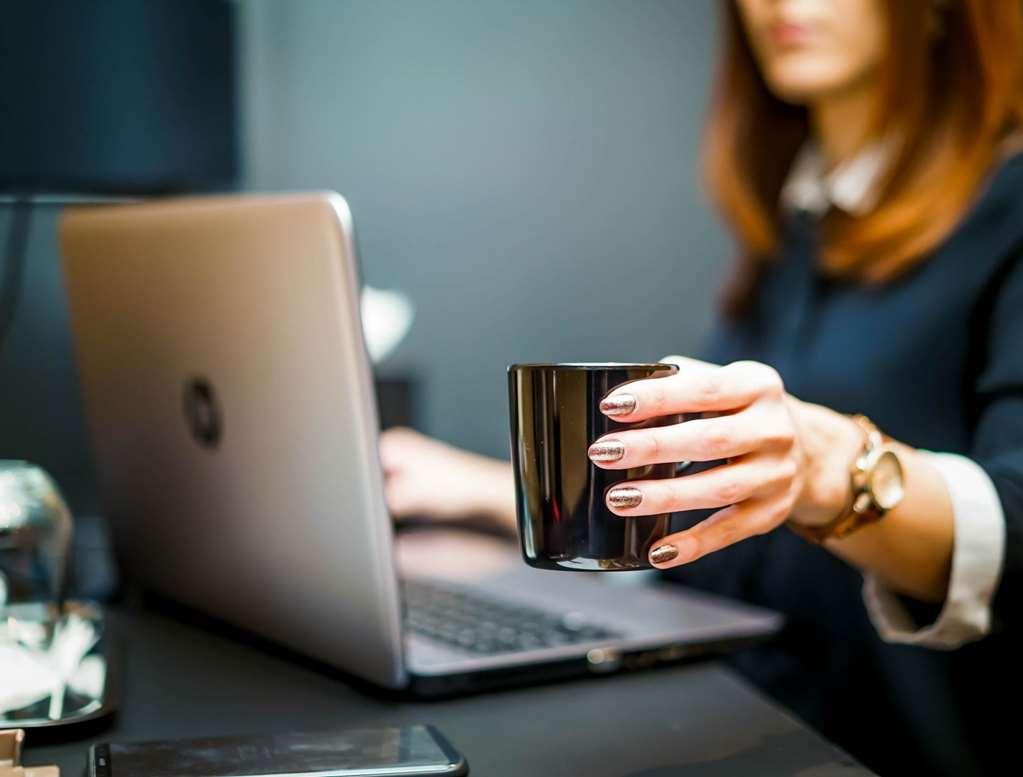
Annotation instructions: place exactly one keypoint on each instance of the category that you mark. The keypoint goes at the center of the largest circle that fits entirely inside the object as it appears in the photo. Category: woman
(864, 154)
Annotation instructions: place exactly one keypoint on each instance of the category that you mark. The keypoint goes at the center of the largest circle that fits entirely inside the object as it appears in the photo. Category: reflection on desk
(697, 720)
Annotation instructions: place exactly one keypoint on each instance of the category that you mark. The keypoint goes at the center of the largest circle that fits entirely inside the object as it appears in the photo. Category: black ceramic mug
(564, 522)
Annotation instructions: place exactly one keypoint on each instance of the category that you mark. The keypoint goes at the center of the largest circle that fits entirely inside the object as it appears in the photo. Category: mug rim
(591, 366)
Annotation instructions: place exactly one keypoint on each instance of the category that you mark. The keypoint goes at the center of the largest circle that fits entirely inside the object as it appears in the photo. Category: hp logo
(202, 412)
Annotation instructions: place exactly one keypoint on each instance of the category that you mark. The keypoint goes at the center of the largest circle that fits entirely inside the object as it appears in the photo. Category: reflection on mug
(563, 520)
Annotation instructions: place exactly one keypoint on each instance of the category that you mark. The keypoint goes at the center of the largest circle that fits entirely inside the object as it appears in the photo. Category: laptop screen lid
(232, 415)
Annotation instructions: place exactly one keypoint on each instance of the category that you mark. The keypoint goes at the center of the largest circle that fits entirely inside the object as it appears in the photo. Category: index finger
(697, 390)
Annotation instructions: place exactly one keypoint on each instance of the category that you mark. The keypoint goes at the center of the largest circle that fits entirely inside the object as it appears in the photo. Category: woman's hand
(426, 478)
(785, 459)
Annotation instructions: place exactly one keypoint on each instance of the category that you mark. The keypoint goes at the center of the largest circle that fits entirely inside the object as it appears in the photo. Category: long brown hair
(951, 98)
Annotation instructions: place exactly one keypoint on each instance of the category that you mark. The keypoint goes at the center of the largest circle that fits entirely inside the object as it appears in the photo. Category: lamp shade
(117, 96)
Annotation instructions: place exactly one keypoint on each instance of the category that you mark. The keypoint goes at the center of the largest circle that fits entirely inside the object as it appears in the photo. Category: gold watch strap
(860, 509)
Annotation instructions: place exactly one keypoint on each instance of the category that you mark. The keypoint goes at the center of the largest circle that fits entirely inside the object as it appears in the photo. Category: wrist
(830, 444)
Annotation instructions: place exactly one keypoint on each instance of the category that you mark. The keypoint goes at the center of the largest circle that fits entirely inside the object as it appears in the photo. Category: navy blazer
(935, 358)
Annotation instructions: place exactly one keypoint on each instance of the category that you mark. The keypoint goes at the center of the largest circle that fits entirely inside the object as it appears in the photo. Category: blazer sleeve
(998, 440)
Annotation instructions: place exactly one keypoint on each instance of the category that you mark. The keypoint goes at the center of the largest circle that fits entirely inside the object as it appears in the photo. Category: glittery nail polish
(624, 497)
(618, 404)
(606, 450)
(663, 553)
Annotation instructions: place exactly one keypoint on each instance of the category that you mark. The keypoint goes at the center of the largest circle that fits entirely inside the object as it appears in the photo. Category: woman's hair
(951, 93)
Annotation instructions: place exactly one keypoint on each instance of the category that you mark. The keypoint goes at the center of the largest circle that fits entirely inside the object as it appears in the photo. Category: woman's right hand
(426, 478)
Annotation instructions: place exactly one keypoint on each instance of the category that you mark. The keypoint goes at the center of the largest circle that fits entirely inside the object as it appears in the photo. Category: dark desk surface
(696, 720)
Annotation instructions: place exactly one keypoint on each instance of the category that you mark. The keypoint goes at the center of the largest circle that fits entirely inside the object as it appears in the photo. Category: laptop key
(486, 625)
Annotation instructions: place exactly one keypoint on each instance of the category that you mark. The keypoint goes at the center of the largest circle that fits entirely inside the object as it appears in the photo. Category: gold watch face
(886, 482)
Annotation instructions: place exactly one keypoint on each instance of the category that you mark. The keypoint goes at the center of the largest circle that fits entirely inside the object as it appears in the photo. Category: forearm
(910, 549)
(499, 494)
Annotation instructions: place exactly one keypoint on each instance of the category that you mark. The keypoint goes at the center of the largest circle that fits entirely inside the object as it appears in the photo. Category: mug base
(582, 564)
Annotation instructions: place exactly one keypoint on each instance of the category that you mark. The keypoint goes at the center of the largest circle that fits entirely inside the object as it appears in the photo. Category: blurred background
(525, 171)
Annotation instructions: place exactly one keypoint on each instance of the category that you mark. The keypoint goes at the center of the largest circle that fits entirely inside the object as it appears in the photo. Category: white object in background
(25, 677)
(386, 319)
(29, 674)
(73, 638)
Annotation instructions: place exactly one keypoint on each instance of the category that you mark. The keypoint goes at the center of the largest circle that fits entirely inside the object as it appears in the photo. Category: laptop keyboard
(485, 625)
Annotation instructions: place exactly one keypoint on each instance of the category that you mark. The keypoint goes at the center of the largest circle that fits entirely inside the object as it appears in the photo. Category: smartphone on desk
(380, 752)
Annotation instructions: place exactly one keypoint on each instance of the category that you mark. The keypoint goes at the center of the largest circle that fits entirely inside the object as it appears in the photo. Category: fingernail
(624, 497)
(663, 553)
(618, 404)
(606, 450)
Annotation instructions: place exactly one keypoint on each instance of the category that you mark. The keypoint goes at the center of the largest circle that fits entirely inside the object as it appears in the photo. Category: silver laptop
(232, 413)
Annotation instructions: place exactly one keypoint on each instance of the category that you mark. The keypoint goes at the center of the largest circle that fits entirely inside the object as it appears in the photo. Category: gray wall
(526, 171)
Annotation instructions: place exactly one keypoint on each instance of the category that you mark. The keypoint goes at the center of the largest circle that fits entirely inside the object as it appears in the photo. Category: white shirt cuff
(978, 551)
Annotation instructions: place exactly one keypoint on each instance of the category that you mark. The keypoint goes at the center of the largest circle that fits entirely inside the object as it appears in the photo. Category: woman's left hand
(786, 459)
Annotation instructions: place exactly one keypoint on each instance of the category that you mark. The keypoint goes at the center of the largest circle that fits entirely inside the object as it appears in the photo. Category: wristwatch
(876, 486)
